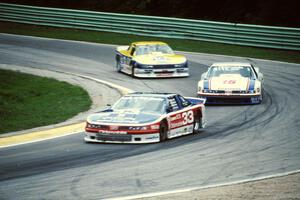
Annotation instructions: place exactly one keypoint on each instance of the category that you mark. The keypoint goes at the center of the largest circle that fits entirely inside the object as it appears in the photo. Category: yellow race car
(150, 59)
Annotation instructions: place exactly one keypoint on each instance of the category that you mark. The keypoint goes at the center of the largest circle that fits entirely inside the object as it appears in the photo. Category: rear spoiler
(195, 100)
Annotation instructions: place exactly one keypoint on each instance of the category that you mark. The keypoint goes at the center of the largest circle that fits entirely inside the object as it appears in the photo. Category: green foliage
(28, 101)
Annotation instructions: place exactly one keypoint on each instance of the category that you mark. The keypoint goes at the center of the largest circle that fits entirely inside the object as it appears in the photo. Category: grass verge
(28, 101)
(180, 45)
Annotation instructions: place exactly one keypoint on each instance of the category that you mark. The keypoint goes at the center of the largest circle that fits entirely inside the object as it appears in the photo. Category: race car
(150, 59)
(146, 118)
(231, 83)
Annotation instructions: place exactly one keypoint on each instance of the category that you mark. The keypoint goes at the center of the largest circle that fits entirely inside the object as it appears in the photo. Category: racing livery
(150, 59)
(231, 83)
(146, 118)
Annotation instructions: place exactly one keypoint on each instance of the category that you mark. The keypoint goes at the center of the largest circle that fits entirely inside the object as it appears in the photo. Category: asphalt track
(240, 142)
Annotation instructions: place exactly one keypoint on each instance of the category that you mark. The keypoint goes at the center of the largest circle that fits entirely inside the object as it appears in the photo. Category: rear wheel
(132, 71)
(163, 131)
(198, 124)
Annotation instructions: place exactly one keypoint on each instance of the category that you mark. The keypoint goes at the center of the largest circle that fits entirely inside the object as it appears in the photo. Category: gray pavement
(240, 142)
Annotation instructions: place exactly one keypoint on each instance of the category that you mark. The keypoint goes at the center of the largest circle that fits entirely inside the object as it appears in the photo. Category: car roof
(231, 64)
(152, 94)
(148, 42)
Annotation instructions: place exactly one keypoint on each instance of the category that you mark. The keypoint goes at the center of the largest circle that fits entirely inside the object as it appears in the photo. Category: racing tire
(163, 131)
(261, 96)
(198, 124)
(118, 64)
(261, 99)
(132, 71)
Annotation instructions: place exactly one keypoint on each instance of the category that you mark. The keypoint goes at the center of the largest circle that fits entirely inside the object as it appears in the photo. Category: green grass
(28, 101)
(181, 45)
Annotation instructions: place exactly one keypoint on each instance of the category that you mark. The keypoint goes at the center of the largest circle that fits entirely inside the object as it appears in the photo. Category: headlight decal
(180, 65)
(251, 85)
(206, 85)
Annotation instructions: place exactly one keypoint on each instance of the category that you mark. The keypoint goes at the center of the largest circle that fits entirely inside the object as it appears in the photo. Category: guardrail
(230, 33)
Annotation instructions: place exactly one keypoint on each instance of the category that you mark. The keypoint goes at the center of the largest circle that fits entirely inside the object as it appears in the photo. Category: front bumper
(154, 73)
(121, 138)
(231, 98)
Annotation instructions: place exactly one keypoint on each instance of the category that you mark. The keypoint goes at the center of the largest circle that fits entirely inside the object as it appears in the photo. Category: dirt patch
(286, 187)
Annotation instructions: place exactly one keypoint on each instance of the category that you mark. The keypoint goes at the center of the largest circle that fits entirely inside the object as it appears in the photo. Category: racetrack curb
(10, 139)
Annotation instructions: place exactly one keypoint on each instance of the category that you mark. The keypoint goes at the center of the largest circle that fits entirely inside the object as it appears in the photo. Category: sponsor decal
(177, 124)
(176, 117)
(182, 119)
(160, 59)
(113, 127)
(113, 132)
(229, 82)
(152, 137)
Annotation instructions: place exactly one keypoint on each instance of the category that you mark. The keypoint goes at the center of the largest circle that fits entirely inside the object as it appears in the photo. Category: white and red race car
(146, 118)
(231, 83)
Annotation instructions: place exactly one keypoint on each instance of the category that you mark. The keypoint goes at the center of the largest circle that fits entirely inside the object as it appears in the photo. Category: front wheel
(132, 71)
(261, 97)
(118, 66)
(163, 131)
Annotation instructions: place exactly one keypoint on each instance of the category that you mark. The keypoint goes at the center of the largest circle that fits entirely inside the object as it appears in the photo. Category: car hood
(159, 58)
(229, 82)
(123, 117)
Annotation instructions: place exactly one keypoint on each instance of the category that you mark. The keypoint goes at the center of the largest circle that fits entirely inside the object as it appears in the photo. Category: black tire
(118, 67)
(118, 64)
(261, 99)
(198, 124)
(163, 131)
(261, 96)
(132, 71)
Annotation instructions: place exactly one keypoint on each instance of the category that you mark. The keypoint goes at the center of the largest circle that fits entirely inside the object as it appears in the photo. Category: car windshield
(154, 105)
(147, 49)
(243, 71)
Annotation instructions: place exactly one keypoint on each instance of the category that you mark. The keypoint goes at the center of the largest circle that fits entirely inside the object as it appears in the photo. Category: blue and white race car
(146, 118)
(231, 83)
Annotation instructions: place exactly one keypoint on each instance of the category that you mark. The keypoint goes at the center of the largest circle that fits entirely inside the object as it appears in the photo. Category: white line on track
(155, 194)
